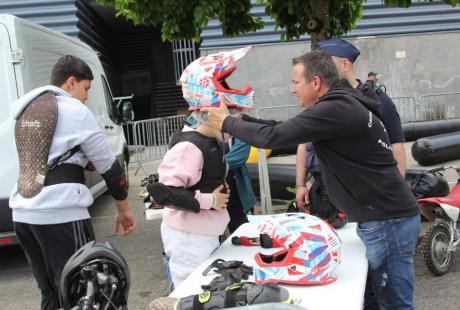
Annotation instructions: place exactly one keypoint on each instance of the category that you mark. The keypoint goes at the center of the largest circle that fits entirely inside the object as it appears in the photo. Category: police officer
(372, 78)
(56, 137)
(344, 54)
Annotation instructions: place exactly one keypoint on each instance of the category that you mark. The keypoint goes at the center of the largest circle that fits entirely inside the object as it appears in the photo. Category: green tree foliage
(321, 19)
(183, 19)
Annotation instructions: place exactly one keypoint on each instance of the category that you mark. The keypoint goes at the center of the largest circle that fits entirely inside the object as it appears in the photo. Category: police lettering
(388, 147)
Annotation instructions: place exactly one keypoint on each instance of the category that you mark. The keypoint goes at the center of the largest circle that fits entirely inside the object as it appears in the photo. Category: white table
(153, 214)
(345, 293)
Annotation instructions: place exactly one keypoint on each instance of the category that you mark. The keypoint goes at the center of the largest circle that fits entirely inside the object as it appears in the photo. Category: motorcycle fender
(427, 210)
(452, 212)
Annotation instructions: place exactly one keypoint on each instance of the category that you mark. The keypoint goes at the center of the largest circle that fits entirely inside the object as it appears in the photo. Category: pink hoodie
(181, 167)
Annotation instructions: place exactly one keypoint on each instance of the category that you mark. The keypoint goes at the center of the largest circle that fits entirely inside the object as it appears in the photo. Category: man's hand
(301, 197)
(301, 190)
(216, 116)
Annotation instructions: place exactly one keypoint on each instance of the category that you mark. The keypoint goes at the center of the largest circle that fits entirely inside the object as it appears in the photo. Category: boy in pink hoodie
(193, 170)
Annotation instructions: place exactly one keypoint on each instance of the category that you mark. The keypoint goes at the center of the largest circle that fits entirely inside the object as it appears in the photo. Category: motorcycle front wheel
(435, 248)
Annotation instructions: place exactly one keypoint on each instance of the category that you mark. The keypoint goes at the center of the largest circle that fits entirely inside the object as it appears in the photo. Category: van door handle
(108, 127)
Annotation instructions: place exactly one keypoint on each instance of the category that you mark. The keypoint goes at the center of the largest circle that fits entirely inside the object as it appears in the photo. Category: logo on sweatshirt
(31, 124)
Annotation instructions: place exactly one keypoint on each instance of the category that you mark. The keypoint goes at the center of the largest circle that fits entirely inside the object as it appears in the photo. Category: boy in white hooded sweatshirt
(54, 223)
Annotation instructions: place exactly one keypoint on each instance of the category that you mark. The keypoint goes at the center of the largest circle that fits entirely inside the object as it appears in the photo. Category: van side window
(111, 109)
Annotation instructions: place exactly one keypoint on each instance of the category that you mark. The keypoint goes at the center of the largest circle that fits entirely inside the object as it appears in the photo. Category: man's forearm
(290, 132)
(399, 153)
(300, 164)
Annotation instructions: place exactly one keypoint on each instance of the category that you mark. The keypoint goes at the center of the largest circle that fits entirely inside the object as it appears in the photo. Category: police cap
(339, 48)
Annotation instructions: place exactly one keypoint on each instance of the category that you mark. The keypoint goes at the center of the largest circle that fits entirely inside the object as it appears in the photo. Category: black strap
(197, 305)
(65, 173)
(231, 298)
(61, 159)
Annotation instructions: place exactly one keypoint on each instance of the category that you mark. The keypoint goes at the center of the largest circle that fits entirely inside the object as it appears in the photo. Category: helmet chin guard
(311, 251)
(204, 82)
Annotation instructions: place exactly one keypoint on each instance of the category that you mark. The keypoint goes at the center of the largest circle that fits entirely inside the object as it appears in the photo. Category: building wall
(74, 18)
(59, 15)
(413, 49)
(94, 32)
(429, 65)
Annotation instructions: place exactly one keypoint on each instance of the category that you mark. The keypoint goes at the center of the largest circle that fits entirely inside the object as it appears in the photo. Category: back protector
(33, 134)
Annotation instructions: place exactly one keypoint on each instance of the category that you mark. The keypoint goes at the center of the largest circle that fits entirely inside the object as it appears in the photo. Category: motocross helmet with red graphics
(204, 82)
(311, 251)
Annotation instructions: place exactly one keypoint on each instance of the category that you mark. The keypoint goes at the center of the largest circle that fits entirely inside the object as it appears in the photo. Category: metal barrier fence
(148, 139)
(411, 109)
(279, 113)
(407, 108)
(287, 112)
(439, 106)
(428, 107)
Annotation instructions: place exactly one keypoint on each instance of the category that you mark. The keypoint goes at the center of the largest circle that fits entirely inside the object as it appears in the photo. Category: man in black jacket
(358, 167)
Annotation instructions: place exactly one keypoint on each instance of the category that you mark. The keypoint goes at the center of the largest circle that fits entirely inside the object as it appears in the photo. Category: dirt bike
(441, 240)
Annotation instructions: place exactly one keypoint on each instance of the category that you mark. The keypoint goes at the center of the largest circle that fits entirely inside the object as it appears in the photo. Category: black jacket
(358, 167)
(390, 116)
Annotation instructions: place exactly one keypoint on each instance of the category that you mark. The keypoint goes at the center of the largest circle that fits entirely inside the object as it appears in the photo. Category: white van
(27, 55)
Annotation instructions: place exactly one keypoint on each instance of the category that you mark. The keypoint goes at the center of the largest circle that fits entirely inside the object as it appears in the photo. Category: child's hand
(220, 199)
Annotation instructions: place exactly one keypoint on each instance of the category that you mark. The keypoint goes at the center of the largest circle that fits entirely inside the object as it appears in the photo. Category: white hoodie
(76, 125)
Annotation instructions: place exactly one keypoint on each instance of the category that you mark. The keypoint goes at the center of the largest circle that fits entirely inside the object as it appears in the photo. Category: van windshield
(109, 101)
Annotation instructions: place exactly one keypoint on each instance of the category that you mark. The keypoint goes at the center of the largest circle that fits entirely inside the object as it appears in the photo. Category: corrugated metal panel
(377, 20)
(96, 34)
(71, 17)
(60, 15)
(122, 56)
(135, 51)
(168, 99)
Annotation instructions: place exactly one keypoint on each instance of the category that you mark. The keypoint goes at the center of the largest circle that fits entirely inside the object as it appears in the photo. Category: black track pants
(47, 248)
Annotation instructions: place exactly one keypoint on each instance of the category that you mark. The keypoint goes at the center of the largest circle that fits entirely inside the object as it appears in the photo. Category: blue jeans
(390, 246)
